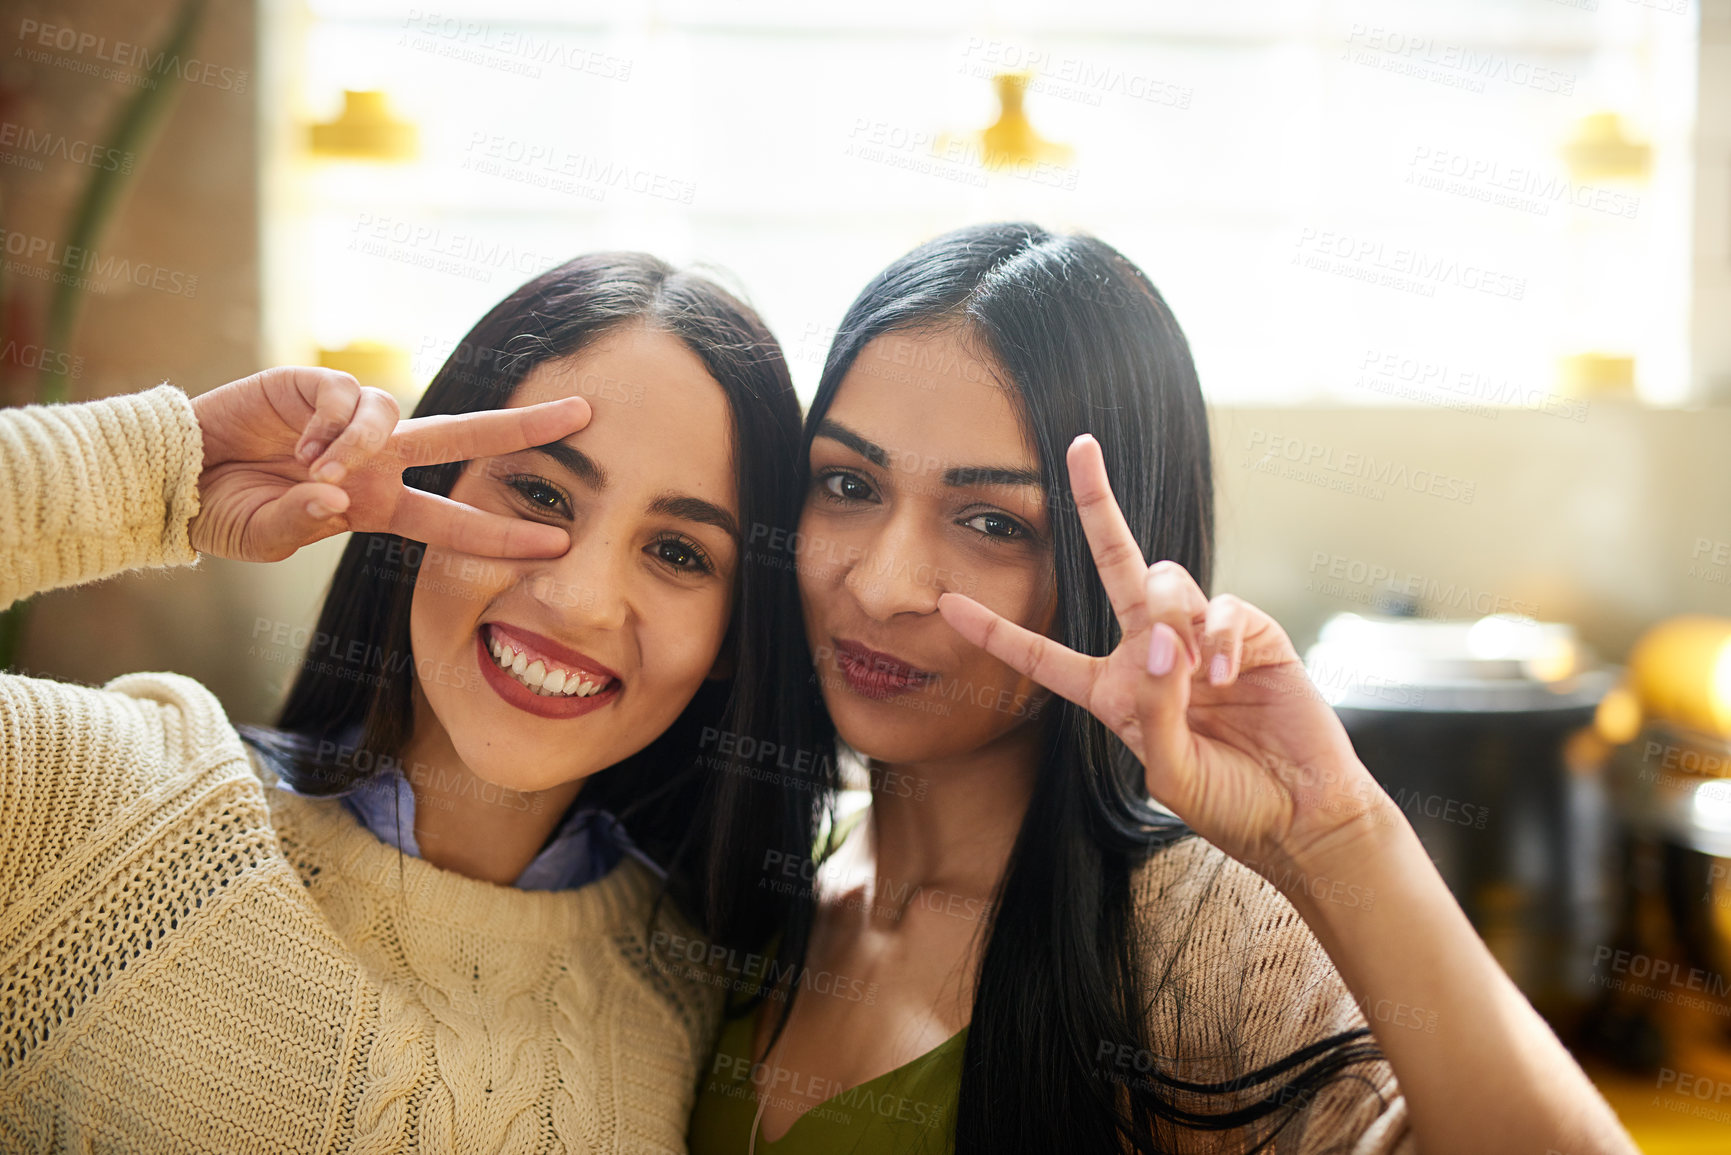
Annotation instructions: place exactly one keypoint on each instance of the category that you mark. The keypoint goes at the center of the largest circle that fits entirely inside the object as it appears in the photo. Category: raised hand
(294, 455)
(1209, 694)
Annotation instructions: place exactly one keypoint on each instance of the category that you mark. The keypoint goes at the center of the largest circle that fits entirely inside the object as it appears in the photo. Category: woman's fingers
(1223, 639)
(1056, 667)
(333, 396)
(1118, 558)
(300, 515)
(488, 433)
(368, 430)
(435, 520)
(1172, 596)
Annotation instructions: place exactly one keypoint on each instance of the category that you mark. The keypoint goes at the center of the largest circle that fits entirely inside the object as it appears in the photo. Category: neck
(467, 825)
(952, 822)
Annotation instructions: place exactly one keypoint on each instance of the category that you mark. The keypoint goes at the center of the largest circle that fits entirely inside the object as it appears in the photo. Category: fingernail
(310, 452)
(1160, 653)
(330, 471)
(1217, 669)
(318, 509)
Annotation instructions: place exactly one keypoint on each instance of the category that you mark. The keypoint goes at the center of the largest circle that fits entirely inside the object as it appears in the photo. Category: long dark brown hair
(1089, 346)
(673, 794)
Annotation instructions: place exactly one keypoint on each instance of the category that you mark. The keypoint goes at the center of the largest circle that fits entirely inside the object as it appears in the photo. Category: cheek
(681, 640)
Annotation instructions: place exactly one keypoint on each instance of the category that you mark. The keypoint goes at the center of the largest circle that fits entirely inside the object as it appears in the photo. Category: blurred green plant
(132, 131)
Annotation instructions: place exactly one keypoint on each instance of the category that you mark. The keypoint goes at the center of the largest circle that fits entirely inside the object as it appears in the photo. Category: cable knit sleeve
(88, 490)
(1238, 981)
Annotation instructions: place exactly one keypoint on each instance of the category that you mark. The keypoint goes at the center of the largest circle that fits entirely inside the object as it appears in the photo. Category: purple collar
(585, 846)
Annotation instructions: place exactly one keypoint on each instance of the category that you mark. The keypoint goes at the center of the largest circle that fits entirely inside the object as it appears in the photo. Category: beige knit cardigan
(192, 961)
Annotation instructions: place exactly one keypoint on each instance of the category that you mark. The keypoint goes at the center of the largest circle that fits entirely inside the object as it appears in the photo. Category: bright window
(1362, 203)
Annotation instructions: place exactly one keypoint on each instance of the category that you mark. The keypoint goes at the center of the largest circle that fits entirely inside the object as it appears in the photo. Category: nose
(893, 574)
(589, 585)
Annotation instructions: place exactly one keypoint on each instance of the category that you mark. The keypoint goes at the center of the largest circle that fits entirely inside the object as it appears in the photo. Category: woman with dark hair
(1122, 884)
(423, 912)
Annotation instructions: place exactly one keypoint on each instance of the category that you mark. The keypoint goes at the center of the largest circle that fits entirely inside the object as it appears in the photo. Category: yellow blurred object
(1600, 151)
(1011, 139)
(1680, 670)
(372, 363)
(1618, 716)
(366, 130)
(1597, 375)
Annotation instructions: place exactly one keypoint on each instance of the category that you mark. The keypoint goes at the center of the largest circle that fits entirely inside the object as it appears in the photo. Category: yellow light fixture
(372, 363)
(1680, 670)
(1011, 139)
(366, 130)
(1600, 150)
(1597, 375)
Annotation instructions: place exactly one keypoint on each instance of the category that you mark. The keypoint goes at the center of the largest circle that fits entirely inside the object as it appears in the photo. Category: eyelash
(525, 484)
(823, 479)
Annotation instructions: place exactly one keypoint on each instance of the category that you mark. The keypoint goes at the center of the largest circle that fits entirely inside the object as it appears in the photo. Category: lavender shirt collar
(585, 846)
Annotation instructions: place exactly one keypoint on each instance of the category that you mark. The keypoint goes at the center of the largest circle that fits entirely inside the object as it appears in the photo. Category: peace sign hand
(294, 455)
(1210, 695)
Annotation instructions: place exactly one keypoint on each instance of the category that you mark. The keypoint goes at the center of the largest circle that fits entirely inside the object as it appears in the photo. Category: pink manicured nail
(1217, 669)
(1160, 653)
(330, 471)
(318, 509)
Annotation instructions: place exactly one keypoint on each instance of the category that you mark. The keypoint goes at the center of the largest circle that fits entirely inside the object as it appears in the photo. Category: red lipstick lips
(551, 652)
(872, 674)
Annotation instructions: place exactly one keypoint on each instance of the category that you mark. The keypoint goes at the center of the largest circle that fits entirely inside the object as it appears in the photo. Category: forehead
(929, 397)
(658, 412)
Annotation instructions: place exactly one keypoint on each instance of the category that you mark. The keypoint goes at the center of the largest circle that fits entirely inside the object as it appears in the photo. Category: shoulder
(666, 955)
(159, 720)
(1234, 980)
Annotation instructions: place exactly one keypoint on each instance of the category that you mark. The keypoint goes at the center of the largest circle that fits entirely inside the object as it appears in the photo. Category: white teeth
(536, 675)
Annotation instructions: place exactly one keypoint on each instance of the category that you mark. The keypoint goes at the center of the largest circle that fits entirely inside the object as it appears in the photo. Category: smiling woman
(224, 945)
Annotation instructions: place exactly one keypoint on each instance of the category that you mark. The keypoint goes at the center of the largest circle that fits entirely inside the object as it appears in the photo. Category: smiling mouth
(872, 674)
(540, 675)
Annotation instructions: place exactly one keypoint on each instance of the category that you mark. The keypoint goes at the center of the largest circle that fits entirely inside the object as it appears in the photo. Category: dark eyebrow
(696, 509)
(989, 475)
(581, 465)
(959, 476)
(871, 451)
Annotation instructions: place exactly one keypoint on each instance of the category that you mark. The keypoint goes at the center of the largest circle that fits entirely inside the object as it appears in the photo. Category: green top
(912, 1108)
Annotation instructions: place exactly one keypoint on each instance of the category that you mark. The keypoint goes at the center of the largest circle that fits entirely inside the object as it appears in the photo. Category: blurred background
(1456, 274)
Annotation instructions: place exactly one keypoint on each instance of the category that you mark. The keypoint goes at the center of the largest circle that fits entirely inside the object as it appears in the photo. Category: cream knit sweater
(191, 962)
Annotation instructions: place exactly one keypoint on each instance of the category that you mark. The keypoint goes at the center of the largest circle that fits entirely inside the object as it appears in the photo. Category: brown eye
(537, 492)
(996, 525)
(845, 487)
(682, 555)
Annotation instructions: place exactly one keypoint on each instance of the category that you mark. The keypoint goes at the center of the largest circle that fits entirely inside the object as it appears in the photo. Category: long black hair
(670, 796)
(1089, 346)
